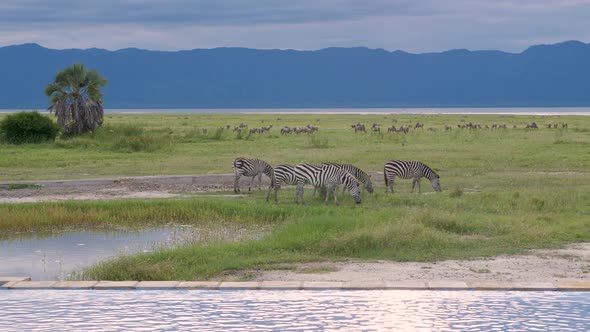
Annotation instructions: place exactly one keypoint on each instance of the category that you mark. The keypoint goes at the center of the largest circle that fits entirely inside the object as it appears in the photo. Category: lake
(432, 110)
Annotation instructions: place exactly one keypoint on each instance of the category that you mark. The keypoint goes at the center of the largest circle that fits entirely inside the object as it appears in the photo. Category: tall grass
(48, 217)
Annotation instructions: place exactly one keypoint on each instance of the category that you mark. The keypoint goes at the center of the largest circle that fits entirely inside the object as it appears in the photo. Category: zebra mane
(347, 174)
(363, 177)
(359, 174)
(431, 170)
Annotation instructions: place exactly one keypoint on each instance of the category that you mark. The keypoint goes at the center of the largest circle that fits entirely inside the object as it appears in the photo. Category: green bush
(129, 138)
(27, 127)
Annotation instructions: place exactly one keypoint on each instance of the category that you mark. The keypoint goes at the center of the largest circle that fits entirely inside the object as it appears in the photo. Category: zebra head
(352, 184)
(355, 192)
(369, 186)
(436, 183)
(238, 162)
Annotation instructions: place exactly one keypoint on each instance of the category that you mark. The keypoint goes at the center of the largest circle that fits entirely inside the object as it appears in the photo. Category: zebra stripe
(358, 173)
(251, 168)
(284, 173)
(407, 170)
(325, 175)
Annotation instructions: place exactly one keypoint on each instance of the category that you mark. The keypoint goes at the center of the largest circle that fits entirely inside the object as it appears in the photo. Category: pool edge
(13, 283)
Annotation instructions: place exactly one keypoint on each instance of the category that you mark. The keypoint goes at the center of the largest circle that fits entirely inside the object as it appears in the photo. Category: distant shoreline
(427, 113)
(530, 111)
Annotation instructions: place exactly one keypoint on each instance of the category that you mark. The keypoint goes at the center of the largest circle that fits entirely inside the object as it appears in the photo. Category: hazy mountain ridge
(542, 75)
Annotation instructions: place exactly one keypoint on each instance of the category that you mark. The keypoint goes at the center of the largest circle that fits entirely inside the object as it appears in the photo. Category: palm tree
(76, 99)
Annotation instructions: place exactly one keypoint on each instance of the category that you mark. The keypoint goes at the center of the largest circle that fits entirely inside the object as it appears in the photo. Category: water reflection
(54, 257)
(295, 310)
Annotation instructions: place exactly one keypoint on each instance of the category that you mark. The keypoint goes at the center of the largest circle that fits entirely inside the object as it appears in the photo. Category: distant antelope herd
(376, 128)
(360, 127)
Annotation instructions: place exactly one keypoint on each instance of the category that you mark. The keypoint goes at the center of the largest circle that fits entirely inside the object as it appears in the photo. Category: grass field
(153, 144)
(504, 190)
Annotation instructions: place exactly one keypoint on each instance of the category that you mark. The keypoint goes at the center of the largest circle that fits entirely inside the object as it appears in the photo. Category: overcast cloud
(415, 26)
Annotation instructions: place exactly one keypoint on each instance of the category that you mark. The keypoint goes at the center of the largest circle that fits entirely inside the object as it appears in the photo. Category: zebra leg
(299, 192)
(268, 194)
(259, 181)
(276, 191)
(389, 185)
(251, 183)
(416, 181)
(276, 188)
(333, 190)
(237, 184)
(330, 189)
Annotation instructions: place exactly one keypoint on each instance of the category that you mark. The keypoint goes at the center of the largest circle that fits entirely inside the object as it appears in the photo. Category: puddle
(53, 258)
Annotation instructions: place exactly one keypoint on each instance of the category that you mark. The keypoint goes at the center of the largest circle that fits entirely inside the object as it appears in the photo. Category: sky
(415, 26)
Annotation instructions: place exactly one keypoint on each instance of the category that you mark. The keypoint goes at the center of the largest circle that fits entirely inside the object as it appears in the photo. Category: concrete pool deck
(12, 283)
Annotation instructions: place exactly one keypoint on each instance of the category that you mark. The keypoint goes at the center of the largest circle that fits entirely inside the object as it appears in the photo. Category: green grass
(153, 144)
(399, 227)
(17, 186)
(505, 191)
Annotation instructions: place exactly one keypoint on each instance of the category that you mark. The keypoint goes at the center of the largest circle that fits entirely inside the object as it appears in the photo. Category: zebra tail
(385, 176)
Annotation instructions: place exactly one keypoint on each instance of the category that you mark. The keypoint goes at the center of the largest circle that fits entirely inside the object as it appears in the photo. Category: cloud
(414, 26)
(200, 12)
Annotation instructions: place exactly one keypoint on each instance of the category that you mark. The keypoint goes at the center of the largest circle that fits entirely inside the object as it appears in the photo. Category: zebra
(325, 175)
(284, 173)
(407, 170)
(251, 167)
(358, 173)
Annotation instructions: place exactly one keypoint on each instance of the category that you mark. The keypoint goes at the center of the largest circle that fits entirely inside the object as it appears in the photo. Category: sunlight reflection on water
(293, 310)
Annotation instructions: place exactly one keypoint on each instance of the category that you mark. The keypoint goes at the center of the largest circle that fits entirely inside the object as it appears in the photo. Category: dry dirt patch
(571, 263)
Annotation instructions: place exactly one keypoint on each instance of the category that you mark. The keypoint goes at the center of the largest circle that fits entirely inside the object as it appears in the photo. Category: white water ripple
(189, 310)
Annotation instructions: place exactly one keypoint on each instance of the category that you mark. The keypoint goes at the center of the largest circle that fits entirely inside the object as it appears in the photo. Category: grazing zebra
(407, 170)
(325, 175)
(358, 173)
(251, 167)
(283, 174)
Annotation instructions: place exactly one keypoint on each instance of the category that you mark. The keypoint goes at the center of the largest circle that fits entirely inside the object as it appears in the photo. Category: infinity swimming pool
(261, 310)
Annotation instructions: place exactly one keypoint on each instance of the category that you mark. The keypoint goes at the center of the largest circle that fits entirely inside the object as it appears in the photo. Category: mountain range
(542, 75)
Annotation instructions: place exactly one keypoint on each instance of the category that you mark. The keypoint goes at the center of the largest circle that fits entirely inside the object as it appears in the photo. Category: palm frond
(76, 99)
